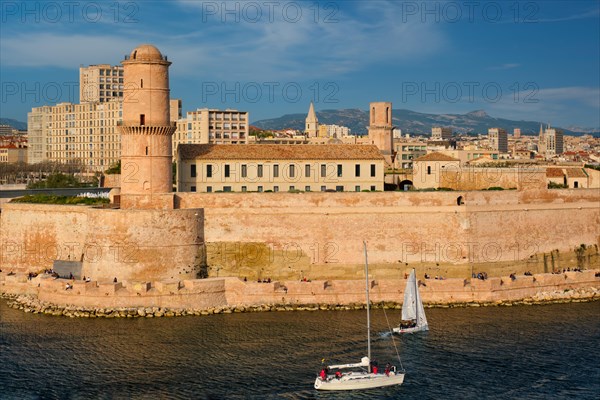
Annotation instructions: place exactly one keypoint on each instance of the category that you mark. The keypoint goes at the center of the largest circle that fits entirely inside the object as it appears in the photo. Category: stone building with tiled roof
(428, 169)
(261, 168)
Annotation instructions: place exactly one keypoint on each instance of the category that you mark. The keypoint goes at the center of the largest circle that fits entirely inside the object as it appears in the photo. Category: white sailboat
(413, 313)
(362, 375)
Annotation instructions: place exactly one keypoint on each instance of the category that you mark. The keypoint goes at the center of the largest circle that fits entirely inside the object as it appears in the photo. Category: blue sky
(531, 60)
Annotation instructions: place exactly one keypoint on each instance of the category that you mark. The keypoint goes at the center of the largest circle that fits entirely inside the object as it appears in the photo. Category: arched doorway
(405, 185)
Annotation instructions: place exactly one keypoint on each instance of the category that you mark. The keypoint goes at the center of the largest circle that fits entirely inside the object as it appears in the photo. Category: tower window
(142, 119)
(141, 83)
(146, 150)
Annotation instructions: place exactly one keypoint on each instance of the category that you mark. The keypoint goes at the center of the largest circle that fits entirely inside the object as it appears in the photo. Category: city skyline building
(100, 83)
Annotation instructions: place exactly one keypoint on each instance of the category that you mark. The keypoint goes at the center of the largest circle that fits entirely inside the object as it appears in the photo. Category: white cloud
(63, 50)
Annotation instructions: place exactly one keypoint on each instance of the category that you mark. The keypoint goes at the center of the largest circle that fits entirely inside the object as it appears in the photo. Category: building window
(209, 171)
(244, 189)
(276, 188)
(227, 188)
(193, 189)
(357, 188)
(141, 83)
(429, 170)
(227, 171)
(209, 189)
(357, 170)
(323, 170)
(142, 119)
(307, 188)
(193, 170)
(259, 171)
(244, 170)
(307, 170)
(339, 188)
(276, 171)
(260, 189)
(339, 170)
(372, 170)
(292, 188)
(292, 170)
(323, 188)
(373, 188)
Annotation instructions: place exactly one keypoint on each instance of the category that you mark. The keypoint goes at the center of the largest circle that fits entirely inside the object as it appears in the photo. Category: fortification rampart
(287, 236)
(319, 235)
(110, 243)
(232, 292)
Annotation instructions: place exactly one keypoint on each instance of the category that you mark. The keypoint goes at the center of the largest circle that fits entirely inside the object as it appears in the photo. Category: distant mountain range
(415, 123)
(409, 121)
(22, 126)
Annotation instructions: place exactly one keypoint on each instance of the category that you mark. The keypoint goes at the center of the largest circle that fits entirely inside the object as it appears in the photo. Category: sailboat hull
(359, 380)
(411, 330)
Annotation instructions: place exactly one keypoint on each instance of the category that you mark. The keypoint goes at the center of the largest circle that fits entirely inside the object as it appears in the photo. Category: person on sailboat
(323, 373)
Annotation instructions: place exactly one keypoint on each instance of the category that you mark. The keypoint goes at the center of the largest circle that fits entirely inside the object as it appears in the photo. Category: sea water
(525, 352)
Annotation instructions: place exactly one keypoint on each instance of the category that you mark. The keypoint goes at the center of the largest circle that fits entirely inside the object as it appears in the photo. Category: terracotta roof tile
(575, 173)
(435, 156)
(554, 173)
(279, 152)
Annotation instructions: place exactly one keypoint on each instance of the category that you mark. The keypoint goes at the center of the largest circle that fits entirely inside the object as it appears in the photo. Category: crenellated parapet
(148, 130)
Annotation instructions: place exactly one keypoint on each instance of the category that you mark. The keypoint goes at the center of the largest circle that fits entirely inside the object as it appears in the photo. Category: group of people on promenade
(480, 275)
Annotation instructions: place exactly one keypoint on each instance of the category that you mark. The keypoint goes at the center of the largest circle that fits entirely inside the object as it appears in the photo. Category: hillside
(411, 122)
(22, 126)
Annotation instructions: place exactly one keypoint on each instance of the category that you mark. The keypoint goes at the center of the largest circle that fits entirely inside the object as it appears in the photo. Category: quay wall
(232, 292)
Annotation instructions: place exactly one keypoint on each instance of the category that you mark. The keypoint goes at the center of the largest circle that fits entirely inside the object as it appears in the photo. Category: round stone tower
(146, 130)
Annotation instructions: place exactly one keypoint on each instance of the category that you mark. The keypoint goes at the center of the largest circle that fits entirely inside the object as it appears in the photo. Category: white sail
(409, 307)
(412, 308)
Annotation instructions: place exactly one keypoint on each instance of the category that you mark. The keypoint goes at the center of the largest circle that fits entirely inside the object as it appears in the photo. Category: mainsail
(412, 308)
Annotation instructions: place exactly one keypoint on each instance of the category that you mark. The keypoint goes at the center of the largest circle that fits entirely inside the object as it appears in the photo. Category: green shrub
(52, 199)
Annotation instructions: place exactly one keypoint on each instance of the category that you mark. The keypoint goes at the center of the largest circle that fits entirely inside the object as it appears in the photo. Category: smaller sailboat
(362, 375)
(413, 313)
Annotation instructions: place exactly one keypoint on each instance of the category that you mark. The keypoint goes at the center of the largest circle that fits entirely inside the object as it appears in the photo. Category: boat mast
(368, 304)
(416, 298)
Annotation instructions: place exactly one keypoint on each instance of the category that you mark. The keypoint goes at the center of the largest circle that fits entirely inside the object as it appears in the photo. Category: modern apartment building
(39, 125)
(498, 139)
(441, 133)
(100, 83)
(213, 126)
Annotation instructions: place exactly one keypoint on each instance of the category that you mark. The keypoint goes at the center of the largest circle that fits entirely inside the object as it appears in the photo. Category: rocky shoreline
(31, 304)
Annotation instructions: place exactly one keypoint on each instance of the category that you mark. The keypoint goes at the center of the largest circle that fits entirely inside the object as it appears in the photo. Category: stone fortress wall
(287, 236)
(126, 244)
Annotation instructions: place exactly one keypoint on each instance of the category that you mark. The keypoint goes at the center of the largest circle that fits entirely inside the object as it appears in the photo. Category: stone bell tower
(146, 130)
(380, 128)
